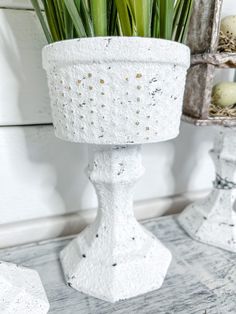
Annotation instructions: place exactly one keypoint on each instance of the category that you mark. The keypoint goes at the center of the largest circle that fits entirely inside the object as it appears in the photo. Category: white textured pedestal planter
(213, 220)
(114, 92)
(21, 291)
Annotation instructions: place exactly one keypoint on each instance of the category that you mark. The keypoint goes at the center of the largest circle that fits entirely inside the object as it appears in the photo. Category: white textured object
(117, 90)
(104, 93)
(115, 257)
(213, 220)
(21, 291)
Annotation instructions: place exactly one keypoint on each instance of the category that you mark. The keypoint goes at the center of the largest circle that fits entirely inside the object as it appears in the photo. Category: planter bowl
(116, 90)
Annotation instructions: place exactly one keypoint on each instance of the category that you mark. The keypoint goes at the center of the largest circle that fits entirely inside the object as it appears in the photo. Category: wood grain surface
(201, 279)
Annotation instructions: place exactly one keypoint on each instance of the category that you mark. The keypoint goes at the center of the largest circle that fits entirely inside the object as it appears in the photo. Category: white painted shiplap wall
(16, 4)
(23, 90)
(42, 178)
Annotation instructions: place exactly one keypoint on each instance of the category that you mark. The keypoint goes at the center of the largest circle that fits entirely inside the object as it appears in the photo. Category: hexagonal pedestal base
(115, 258)
(216, 230)
(116, 270)
(213, 220)
(21, 291)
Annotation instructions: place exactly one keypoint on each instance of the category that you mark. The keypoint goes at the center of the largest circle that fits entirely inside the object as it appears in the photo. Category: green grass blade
(166, 13)
(68, 24)
(111, 17)
(61, 8)
(88, 25)
(181, 21)
(124, 17)
(131, 11)
(177, 4)
(118, 30)
(76, 19)
(177, 16)
(143, 17)
(187, 20)
(77, 4)
(39, 14)
(52, 23)
(99, 16)
(155, 24)
(56, 6)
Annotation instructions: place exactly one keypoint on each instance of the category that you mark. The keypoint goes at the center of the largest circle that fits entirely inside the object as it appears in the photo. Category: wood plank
(17, 4)
(23, 90)
(201, 279)
(204, 26)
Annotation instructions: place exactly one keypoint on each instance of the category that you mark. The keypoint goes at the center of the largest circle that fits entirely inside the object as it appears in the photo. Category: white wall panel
(23, 89)
(229, 8)
(18, 4)
(42, 176)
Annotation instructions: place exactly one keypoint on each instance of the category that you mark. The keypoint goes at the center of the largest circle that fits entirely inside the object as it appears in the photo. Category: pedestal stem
(114, 170)
(115, 257)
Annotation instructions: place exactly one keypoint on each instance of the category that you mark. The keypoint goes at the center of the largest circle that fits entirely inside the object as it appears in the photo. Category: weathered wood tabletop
(201, 279)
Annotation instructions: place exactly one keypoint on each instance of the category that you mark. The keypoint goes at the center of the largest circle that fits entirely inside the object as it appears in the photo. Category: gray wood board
(201, 279)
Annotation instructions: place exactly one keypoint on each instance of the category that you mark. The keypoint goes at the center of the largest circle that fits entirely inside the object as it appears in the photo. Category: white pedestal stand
(21, 291)
(102, 93)
(213, 220)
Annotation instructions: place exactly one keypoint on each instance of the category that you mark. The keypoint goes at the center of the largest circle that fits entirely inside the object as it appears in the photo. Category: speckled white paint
(115, 258)
(213, 220)
(21, 291)
(116, 91)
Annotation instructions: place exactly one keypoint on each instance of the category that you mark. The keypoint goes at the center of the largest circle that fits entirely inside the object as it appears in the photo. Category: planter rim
(115, 49)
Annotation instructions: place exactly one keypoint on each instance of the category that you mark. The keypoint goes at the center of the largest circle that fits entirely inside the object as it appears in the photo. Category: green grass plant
(67, 19)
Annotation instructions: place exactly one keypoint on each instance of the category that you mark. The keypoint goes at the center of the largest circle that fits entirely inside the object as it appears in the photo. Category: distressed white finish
(115, 258)
(21, 291)
(213, 219)
(201, 278)
(101, 93)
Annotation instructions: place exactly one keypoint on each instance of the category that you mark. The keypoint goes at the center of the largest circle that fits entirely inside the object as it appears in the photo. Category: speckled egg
(224, 94)
(228, 25)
